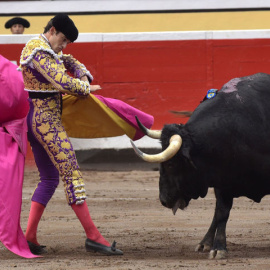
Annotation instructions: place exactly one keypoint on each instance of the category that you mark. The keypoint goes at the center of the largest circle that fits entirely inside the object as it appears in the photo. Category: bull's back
(241, 107)
(232, 133)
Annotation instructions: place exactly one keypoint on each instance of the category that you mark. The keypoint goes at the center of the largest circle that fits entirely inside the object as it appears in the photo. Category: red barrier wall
(159, 76)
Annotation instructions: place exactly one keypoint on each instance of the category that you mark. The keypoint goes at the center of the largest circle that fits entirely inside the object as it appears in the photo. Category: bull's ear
(186, 154)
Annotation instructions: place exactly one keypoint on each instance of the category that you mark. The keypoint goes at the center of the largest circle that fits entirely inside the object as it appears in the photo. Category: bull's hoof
(218, 254)
(202, 248)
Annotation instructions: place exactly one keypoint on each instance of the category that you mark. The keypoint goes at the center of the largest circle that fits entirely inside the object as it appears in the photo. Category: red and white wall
(155, 55)
(162, 71)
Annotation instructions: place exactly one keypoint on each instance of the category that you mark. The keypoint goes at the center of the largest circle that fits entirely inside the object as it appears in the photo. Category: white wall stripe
(151, 36)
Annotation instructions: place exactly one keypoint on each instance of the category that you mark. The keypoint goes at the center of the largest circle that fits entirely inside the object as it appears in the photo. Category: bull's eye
(170, 166)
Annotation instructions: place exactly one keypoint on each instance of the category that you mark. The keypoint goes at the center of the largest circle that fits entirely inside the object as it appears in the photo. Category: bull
(225, 145)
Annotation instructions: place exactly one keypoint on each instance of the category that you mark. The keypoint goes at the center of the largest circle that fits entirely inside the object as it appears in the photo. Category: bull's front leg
(222, 212)
(207, 243)
(215, 238)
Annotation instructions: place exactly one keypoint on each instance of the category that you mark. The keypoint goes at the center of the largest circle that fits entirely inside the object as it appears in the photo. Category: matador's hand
(94, 88)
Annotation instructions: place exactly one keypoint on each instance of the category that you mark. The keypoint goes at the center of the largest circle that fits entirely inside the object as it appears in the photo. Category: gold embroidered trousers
(44, 124)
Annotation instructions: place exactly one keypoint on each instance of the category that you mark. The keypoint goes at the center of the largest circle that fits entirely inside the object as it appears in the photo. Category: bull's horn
(155, 134)
(172, 149)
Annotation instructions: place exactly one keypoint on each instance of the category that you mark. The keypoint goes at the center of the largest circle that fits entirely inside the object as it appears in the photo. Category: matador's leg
(48, 130)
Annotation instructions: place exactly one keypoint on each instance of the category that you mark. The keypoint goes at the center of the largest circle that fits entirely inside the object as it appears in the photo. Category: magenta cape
(13, 141)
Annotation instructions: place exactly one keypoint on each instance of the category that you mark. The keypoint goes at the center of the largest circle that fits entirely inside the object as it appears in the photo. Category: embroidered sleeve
(56, 74)
(75, 67)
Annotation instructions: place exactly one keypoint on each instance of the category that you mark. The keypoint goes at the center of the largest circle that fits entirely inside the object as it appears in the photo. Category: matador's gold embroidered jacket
(44, 70)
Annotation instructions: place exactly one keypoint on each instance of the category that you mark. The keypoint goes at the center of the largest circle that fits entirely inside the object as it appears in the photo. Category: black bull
(225, 145)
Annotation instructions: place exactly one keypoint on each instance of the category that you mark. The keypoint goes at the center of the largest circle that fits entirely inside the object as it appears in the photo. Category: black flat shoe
(36, 249)
(97, 247)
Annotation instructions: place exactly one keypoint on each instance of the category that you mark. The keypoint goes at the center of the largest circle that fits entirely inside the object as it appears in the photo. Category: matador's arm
(76, 68)
(46, 64)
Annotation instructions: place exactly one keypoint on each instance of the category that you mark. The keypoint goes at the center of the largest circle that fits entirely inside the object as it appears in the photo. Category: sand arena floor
(126, 208)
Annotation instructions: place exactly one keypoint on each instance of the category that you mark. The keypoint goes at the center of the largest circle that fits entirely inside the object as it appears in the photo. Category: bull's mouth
(180, 203)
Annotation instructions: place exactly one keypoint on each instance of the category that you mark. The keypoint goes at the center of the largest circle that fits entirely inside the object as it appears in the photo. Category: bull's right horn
(168, 153)
(155, 134)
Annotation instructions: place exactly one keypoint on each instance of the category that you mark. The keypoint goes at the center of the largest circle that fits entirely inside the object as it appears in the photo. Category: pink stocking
(91, 230)
(35, 214)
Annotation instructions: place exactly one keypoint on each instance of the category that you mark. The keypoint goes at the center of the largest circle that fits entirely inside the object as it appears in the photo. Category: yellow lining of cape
(90, 118)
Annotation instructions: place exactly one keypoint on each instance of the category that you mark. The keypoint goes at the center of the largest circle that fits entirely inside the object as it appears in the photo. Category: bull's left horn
(168, 153)
(155, 134)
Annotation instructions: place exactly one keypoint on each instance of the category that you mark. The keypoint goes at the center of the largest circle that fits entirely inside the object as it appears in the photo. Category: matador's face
(58, 41)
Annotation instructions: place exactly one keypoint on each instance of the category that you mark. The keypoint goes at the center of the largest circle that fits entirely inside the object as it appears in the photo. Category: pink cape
(13, 141)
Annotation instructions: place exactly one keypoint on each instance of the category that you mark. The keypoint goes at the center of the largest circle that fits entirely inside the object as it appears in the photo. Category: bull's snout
(173, 204)
(164, 201)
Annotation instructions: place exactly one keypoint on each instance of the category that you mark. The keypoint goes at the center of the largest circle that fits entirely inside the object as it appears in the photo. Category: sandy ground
(126, 208)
